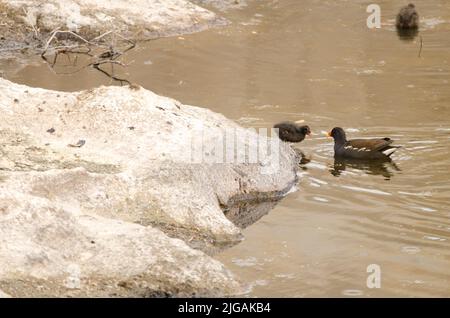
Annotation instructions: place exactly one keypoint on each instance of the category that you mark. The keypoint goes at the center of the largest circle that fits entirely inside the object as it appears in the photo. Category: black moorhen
(366, 149)
(407, 18)
(292, 132)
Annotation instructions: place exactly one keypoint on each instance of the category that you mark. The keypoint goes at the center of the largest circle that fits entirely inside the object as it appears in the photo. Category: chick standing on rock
(292, 132)
(407, 18)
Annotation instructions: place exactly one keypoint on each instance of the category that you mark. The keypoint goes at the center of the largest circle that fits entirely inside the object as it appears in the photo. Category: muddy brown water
(317, 61)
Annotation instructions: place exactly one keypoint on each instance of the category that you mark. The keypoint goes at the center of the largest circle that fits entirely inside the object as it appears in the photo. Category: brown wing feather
(372, 144)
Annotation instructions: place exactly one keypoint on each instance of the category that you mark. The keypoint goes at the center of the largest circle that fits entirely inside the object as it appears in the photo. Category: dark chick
(407, 18)
(292, 132)
(367, 149)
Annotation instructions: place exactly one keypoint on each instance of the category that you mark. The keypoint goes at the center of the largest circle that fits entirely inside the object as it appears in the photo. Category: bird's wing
(370, 144)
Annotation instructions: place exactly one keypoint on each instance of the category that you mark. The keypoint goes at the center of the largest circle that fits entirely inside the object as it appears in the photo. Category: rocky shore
(26, 26)
(99, 196)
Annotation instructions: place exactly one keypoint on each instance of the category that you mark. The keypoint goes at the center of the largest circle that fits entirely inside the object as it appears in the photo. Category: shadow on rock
(302, 158)
(245, 214)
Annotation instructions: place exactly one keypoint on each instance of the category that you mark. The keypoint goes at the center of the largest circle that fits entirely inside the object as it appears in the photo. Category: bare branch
(112, 76)
(98, 51)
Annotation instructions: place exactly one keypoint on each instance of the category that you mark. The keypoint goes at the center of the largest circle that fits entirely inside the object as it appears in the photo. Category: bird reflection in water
(386, 168)
(407, 34)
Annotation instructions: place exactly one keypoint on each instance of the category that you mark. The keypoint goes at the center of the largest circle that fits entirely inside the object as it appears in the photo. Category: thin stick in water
(421, 45)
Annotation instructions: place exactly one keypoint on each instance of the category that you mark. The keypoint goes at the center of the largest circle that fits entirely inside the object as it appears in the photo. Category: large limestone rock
(137, 160)
(87, 177)
(48, 250)
(141, 19)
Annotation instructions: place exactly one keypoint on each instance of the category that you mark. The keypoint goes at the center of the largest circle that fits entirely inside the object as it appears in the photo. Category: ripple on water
(410, 249)
(266, 107)
(248, 120)
(367, 71)
(352, 292)
(320, 199)
(285, 276)
(426, 23)
(247, 262)
(316, 165)
(366, 190)
(416, 194)
(301, 174)
(252, 22)
(431, 23)
(315, 180)
(423, 142)
(260, 282)
(417, 148)
(434, 238)
(424, 209)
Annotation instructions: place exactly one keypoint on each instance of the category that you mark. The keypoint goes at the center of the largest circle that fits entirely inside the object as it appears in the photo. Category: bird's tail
(390, 150)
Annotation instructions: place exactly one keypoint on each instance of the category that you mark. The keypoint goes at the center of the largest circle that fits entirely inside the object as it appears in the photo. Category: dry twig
(93, 49)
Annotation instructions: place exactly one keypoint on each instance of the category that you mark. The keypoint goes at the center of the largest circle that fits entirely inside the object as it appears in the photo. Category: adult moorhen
(366, 149)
